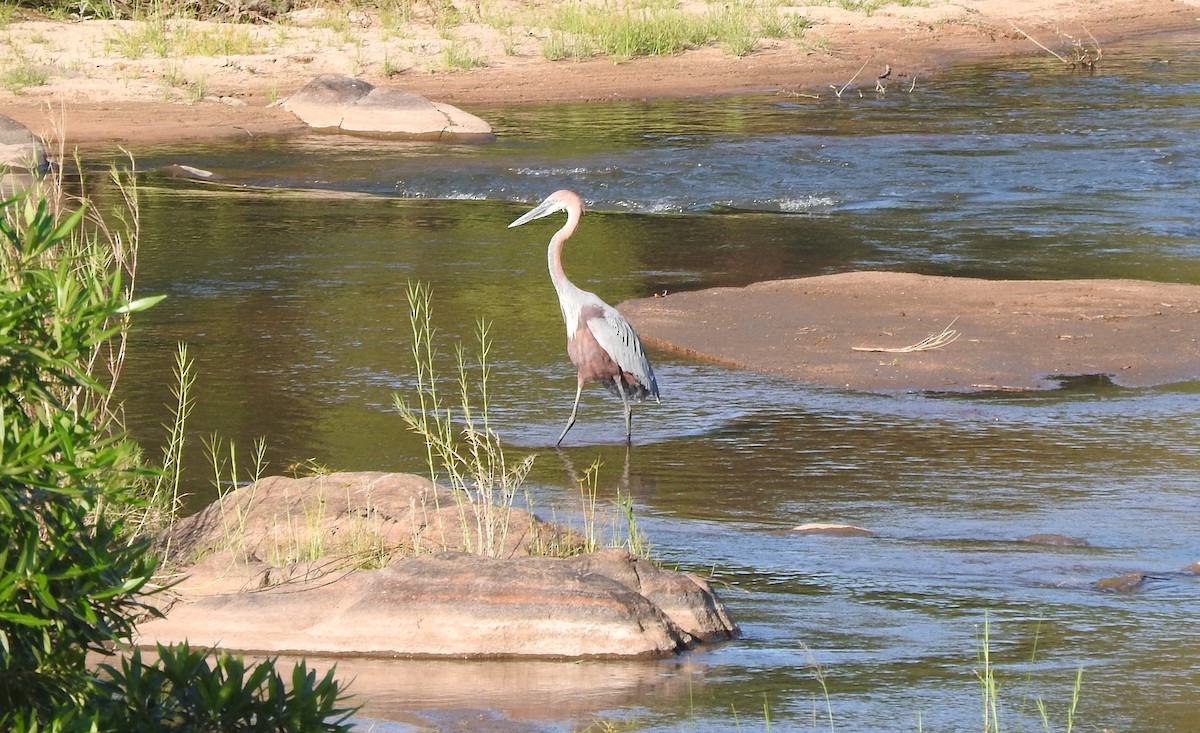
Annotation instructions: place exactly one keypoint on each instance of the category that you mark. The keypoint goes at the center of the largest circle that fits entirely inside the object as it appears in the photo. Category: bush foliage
(72, 574)
(69, 577)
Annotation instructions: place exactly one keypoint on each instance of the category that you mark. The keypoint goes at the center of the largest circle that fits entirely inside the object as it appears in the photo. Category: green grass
(162, 493)
(868, 7)
(628, 32)
(174, 77)
(147, 39)
(990, 687)
(462, 449)
(158, 37)
(561, 46)
(635, 29)
(226, 476)
(616, 29)
(224, 40)
(22, 75)
(389, 68)
(459, 57)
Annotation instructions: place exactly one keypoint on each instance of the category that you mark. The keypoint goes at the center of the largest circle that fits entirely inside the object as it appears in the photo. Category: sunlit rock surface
(441, 604)
(346, 104)
(899, 332)
(22, 156)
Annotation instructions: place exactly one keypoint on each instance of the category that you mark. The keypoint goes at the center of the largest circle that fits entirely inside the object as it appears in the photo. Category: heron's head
(564, 200)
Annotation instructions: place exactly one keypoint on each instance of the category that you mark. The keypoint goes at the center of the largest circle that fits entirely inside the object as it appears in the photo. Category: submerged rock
(833, 530)
(438, 603)
(331, 102)
(181, 170)
(1057, 540)
(1127, 583)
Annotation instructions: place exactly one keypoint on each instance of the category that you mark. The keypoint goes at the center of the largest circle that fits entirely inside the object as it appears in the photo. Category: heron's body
(600, 343)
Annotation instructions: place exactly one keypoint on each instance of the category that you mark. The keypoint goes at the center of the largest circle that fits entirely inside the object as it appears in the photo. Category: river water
(291, 295)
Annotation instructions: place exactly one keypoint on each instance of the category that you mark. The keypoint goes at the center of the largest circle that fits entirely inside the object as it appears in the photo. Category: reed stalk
(462, 449)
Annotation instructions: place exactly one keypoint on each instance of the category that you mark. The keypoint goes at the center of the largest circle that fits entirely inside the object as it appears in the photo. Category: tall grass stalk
(461, 447)
(226, 480)
(635, 538)
(819, 673)
(163, 498)
(990, 690)
(588, 492)
(621, 518)
(987, 682)
(1071, 709)
(458, 56)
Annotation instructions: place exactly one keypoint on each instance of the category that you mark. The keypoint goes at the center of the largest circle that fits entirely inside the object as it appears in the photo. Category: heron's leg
(571, 419)
(628, 408)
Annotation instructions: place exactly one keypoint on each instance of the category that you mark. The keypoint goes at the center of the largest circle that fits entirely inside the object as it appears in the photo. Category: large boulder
(456, 605)
(390, 579)
(331, 102)
(22, 156)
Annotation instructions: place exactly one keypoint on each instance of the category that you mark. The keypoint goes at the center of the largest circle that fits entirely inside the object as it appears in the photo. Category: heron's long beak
(546, 208)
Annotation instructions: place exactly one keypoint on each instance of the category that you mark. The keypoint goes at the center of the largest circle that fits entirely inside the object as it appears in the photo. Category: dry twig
(839, 92)
(1060, 57)
(929, 343)
(1084, 57)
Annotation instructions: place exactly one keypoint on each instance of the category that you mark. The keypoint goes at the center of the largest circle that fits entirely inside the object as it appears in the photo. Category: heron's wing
(616, 336)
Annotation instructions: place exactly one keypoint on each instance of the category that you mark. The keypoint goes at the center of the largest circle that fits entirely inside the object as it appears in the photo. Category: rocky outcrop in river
(385, 586)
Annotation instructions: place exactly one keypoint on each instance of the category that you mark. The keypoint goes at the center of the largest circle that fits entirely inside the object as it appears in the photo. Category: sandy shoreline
(96, 96)
(851, 330)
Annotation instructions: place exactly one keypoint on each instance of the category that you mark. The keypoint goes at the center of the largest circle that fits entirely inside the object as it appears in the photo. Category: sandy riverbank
(95, 91)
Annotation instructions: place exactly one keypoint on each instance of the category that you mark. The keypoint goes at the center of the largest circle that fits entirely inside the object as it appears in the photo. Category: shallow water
(291, 296)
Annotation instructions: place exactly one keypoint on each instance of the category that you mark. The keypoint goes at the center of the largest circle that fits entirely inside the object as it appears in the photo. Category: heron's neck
(554, 253)
(569, 296)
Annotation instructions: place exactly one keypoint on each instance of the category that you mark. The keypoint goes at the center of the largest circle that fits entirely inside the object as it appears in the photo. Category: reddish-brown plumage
(592, 361)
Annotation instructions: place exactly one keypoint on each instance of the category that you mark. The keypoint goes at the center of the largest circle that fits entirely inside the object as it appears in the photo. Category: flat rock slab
(1012, 335)
(454, 605)
(346, 104)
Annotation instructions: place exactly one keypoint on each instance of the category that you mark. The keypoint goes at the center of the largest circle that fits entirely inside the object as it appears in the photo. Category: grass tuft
(990, 688)
(578, 30)
(460, 57)
(21, 76)
(462, 449)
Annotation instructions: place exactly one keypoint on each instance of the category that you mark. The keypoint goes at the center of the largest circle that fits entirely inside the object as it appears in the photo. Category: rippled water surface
(290, 294)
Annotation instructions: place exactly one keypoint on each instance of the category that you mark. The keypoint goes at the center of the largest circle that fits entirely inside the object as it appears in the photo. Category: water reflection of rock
(442, 694)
